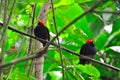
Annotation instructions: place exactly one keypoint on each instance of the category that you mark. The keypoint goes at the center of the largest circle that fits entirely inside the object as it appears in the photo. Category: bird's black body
(42, 32)
(87, 49)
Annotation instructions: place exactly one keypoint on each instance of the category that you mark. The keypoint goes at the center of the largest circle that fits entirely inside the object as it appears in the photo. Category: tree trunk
(38, 46)
(38, 62)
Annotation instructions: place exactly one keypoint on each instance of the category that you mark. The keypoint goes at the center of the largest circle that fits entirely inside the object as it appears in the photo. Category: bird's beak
(40, 21)
(91, 40)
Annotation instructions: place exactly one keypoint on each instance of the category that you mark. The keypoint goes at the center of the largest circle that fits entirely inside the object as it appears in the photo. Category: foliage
(17, 75)
(104, 28)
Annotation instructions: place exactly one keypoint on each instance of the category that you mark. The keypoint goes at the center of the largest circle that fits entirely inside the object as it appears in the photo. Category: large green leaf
(101, 41)
(91, 70)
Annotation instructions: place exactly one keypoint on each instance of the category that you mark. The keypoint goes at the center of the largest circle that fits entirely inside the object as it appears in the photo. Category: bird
(88, 49)
(41, 31)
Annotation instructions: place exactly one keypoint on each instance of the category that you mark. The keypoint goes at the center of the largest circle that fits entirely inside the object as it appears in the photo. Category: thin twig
(33, 17)
(109, 12)
(13, 5)
(28, 24)
(53, 12)
(1, 5)
(31, 32)
(70, 73)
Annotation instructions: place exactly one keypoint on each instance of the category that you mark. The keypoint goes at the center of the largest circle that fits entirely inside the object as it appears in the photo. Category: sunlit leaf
(83, 1)
(91, 70)
(55, 75)
(115, 48)
(101, 41)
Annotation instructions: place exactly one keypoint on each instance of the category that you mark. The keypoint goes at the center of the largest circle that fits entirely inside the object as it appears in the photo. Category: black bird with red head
(87, 49)
(41, 31)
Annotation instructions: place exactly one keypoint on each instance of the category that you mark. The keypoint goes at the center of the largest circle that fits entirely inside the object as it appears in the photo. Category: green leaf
(40, 1)
(75, 60)
(83, 1)
(81, 67)
(101, 69)
(101, 41)
(63, 2)
(17, 75)
(38, 8)
(56, 1)
(55, 75)
(94, 78)
(91, 70)
(116, 26)
(9, 56)
(57, 56)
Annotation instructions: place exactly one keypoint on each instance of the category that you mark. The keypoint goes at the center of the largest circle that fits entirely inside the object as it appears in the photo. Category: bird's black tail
(82, 61)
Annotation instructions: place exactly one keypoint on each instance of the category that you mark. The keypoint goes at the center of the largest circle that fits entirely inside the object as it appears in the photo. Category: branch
(109, 12)
(77, 54)
(37, 54)
(9, 27)
(92, 60)
(59, 47)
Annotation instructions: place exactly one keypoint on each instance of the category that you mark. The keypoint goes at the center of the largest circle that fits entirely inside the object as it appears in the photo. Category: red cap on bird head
(41, 22)
(89, 41)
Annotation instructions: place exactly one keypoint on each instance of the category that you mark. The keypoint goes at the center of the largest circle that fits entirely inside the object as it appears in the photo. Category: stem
(58, 40)
(31, 32)
(30, 45)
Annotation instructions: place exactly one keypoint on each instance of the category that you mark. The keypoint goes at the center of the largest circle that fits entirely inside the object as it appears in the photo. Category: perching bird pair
(87, 49)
